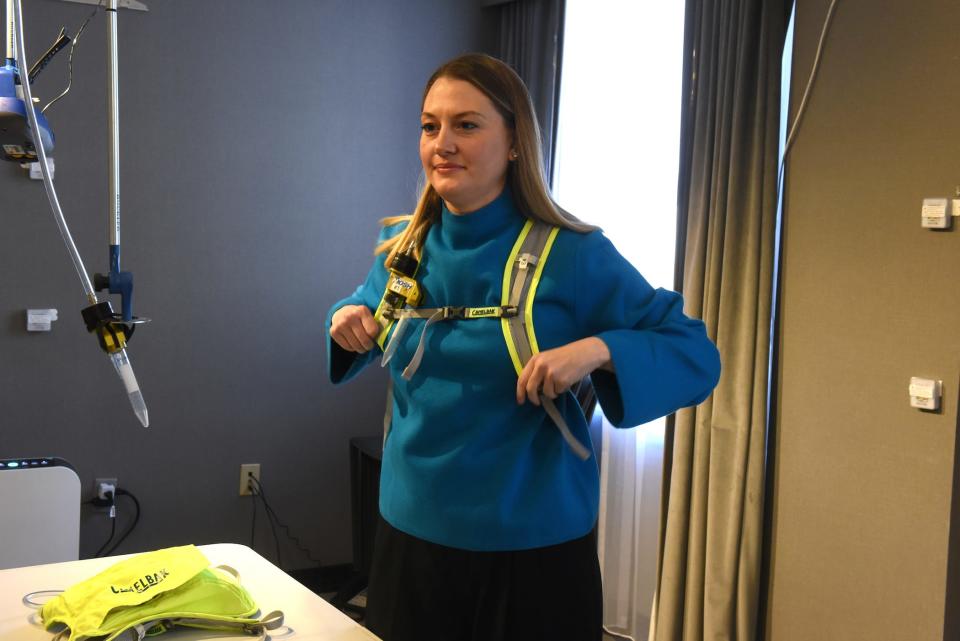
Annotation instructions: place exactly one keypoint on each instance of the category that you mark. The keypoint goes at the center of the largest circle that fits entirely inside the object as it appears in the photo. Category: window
(617, 154)
(619, 126)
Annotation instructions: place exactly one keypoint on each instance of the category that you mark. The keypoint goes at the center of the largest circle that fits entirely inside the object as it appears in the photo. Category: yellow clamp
(111, 338)
(406, 287)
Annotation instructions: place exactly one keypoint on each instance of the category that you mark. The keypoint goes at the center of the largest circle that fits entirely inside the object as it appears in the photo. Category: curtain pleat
(531, 41)
(711, 529)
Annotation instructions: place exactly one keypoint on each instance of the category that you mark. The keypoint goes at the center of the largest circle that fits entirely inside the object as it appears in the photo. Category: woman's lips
(447, 168)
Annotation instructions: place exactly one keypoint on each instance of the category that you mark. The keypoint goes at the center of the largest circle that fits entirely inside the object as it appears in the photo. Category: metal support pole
(11, 37)
(113, 112)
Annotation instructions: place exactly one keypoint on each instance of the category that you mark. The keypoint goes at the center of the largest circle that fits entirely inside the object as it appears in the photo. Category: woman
(487, 513)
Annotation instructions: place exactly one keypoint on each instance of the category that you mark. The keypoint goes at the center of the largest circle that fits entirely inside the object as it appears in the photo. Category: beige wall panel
(863, 483)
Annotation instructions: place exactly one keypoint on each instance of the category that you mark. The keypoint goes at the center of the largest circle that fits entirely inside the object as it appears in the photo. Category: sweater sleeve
(342, 365)
(663, 360)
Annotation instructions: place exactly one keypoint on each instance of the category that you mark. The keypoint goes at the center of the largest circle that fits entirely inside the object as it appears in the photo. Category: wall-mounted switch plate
(38, 320)
(925, 393)
(36, 172)
(935, 214)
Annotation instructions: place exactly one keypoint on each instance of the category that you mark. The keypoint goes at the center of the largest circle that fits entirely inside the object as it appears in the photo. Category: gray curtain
(531, 41)
(711, 527)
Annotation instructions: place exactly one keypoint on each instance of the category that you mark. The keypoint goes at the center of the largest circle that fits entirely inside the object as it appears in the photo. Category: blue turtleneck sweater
(464, 465)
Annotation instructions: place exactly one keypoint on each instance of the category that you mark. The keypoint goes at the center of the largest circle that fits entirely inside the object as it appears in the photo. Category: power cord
(110, 501)
(257, 492)
(73, 45)
(133, 524)
(253, 521)
(256, 487)
(813, 74)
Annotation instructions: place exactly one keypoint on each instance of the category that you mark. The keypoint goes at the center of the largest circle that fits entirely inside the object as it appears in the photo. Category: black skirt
(421, 591)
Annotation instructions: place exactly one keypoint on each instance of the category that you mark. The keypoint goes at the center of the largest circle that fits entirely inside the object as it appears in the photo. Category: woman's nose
(443, 143)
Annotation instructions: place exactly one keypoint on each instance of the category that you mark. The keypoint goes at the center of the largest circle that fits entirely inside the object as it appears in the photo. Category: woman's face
(464, 145)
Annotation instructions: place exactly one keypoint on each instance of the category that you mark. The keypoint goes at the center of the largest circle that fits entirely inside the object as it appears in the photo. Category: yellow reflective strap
(385, 329)
(382, 337)
(505, 295)
(532, 292)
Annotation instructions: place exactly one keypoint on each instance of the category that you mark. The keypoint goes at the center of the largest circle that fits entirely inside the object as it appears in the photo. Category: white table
(309, 616)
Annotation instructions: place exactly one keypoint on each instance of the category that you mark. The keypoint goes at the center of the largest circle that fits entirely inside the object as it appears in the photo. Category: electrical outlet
(102, 485)
(248, 470)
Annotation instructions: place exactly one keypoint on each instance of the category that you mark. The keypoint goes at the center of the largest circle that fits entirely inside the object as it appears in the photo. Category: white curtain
(631, 471)
(626, 54)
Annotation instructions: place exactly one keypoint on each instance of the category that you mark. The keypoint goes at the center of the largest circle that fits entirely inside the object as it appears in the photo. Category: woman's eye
(468, 125)
(428, 127)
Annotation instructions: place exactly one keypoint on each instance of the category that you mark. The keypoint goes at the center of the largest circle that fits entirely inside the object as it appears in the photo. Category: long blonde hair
(525, 175)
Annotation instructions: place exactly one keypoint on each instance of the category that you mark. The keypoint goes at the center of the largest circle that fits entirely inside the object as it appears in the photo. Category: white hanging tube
(121, 363)
(42, 154)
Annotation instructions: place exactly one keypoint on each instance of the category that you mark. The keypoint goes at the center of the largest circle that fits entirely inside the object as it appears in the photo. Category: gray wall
(260, 144)
(862, 495)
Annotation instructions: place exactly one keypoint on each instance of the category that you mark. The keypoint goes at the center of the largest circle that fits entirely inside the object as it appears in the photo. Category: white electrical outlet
(248, 470)
(103, 485)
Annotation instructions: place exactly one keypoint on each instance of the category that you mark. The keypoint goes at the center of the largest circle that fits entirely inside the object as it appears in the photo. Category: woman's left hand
(553, 372)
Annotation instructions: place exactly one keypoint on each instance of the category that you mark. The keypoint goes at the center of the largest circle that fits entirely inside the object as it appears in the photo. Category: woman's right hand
(354, 329)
